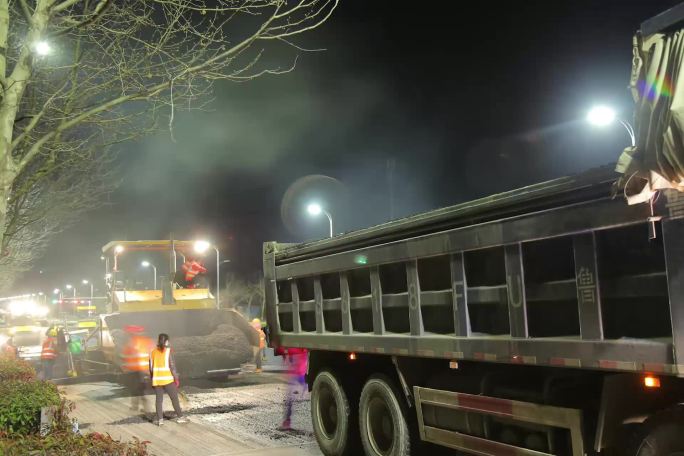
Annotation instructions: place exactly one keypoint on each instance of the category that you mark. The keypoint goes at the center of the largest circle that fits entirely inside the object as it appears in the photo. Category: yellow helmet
(256, 323)
(52, 332)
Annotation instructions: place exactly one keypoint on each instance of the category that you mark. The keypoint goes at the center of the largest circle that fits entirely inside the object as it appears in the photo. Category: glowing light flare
(651, 381)
(42, 48)
(601, 116)
(145, 264)
(314, 209)
(119, 249)
(661, 86)
(352, 356)
(201, 246)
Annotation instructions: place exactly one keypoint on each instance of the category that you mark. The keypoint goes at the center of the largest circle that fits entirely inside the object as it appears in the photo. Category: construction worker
(48, 354)
(8, 349)
(135, 362)
(192, 268)
(259, 357)
(295, 360)
(165, 379)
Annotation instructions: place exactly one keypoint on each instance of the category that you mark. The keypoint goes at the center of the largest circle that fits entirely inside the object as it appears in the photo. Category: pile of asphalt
(226, 347)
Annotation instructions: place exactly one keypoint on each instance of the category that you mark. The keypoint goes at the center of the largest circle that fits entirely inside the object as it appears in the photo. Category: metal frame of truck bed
(577, 208)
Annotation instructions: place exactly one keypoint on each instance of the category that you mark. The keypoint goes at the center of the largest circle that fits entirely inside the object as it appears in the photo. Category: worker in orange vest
(256, 324)
(192, 268)
(165, 379)
(8, 349)
(48, 354)
(135, 362)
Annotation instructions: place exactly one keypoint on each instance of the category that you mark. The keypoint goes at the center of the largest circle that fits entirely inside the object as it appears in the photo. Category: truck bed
(558, 274)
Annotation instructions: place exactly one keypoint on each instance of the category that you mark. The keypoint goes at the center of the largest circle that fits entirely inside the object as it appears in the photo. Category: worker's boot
(286, 425)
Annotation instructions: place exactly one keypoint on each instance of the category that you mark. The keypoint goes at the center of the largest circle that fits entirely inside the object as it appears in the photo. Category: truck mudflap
(430, 401)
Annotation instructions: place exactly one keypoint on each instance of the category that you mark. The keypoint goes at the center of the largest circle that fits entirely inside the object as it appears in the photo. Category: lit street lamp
(147, 264)
(201, 247)
(42, 48)
(315, 209)
(70, 287)
(602, 116)
(86, 282)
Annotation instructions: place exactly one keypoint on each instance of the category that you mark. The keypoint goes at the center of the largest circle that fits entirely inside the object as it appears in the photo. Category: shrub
(20, 404)
(65, 443)
(15, 369)
(61, 441)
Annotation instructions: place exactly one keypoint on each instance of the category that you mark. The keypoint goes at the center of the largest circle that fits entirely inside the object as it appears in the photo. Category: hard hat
(52, 332)
(256, 323)
(133, 329)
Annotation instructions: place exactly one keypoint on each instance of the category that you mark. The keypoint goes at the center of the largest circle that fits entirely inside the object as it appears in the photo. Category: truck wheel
(662, 437)
(331, 415)
(382, 418)
(664, 440)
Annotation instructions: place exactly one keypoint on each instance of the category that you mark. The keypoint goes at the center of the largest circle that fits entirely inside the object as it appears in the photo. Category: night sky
(408, 109)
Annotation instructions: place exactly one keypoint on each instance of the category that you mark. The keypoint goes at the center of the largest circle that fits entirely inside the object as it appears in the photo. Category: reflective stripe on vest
(161, 371)
(135, 357)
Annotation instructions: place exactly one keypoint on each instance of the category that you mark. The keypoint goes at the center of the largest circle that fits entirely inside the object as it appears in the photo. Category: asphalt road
(236, 416)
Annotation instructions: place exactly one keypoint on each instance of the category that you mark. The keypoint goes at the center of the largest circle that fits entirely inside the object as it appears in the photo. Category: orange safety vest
(192, 269)
(262, 339)
(135, 356)
(161, 367)
(48, 351)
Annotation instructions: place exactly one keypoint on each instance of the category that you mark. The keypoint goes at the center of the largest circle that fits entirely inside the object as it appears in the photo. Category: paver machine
(206, 339)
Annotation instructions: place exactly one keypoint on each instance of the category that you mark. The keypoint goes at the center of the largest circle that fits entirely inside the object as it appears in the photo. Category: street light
(86, 282)
(147, 264)
(201, 247)
(68, 286)
(315, 209)
(602, 116)
(42, 48)
(106, 262)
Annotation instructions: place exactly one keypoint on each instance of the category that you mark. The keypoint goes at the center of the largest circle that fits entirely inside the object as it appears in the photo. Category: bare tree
(245, 296)
(77, 76)
(40, 208)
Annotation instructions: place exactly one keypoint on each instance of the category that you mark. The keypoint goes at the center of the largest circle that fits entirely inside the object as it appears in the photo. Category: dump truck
(207, 340)
(547, 320)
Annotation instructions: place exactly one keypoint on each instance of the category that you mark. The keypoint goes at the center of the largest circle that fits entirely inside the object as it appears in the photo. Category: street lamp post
(315, 209)
(147, 264)
(602, 116)
(203, 246)
(70, 287)
(86, 282)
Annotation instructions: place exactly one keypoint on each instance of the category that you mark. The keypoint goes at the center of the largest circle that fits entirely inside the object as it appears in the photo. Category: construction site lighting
(118, 249)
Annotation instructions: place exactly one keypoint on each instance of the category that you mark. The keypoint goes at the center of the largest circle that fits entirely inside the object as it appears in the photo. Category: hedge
(16, 369)
(66, 443)
(20, 404)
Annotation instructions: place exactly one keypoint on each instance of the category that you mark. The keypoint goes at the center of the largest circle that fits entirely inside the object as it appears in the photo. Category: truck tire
(662, 439)
(382, 419)
(331, 416)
